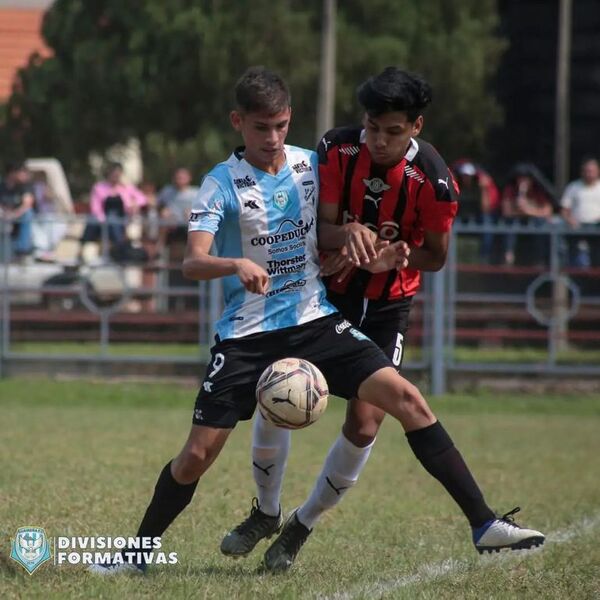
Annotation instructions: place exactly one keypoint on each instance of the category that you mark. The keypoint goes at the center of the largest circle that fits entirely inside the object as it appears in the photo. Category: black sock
(436, 452)
(169, 499)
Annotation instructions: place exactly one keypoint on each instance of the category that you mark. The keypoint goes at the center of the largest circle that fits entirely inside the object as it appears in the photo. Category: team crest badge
(280, 199)
(30, 548)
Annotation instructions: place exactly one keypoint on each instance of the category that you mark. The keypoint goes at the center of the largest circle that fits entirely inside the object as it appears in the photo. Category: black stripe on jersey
(398, 213)
(432, 165)
(347, 193)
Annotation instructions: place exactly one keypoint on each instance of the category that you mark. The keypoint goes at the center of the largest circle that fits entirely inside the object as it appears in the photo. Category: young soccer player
(378, 183)
(256, 210)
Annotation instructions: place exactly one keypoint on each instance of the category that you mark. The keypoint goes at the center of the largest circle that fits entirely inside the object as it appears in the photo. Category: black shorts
(384, 321)
(345, 356)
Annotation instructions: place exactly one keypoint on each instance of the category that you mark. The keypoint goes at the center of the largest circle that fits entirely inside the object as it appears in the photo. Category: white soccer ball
(292, 393)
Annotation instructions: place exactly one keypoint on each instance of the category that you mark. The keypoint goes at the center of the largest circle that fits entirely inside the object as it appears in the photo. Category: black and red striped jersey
(400, 203)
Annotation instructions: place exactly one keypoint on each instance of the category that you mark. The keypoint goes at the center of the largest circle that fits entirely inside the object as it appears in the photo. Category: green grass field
(82, 459)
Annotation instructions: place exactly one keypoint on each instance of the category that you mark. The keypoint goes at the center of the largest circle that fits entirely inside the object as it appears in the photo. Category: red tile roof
(19, 37)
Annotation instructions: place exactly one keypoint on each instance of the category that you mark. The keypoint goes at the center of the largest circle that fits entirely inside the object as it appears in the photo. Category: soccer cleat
(283, 551)
(242, 540)
(503, 533)
(115, 567)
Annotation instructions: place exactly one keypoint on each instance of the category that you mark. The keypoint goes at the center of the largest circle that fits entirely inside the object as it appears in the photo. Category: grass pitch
(80, 458)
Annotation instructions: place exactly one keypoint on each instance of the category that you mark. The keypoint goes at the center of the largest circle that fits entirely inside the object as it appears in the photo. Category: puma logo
(276, 400)
(336, 490)
(444, 181)
(265, 470)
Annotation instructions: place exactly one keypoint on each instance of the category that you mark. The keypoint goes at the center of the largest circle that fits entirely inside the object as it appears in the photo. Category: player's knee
(191, 463)
(412, 403)
(361, 431)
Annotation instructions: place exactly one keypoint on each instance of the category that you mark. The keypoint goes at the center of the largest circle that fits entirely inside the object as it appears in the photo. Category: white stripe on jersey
(270, 220)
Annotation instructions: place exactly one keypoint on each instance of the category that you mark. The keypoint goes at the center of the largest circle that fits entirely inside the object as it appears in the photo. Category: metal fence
(539, 315)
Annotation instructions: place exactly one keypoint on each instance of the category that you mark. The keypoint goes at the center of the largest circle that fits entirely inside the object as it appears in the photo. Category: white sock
(270, 448)
(340, 472)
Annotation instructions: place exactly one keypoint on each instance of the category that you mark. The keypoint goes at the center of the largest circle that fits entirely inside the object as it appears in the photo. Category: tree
(451, 42)
(162, 72)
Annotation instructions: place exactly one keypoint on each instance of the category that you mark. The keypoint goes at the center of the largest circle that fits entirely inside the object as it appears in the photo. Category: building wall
(19, 37)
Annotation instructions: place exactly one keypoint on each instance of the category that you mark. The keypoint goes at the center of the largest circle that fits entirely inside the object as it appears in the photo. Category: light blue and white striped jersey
(271, 220)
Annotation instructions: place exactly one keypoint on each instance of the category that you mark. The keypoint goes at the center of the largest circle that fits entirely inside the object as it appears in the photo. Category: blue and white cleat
(503, 533)
(117, 567)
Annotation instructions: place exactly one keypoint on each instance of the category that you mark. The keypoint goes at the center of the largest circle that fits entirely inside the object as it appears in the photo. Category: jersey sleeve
(208, 208)
(438, 205)
(330, 175)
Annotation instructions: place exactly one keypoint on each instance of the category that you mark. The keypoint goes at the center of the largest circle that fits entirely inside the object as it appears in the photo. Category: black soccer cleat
(242, 540)
(283, 551)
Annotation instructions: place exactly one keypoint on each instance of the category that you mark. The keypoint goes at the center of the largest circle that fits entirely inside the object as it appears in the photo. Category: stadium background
(516, 345)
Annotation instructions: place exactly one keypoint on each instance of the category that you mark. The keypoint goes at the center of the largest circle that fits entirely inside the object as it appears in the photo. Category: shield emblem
(280, 199)
(30, 548)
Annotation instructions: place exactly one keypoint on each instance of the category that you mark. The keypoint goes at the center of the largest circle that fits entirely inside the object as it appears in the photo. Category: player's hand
(391, 256)
(360, 243)
(253, 277)
(334, 261)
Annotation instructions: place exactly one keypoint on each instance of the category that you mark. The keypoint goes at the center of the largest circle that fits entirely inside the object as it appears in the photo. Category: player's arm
(431, 256)
(200, 265)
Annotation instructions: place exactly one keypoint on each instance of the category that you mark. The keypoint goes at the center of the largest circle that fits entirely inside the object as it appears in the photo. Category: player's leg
(434, 448)
(270, 449)
(174, 490)
(385, 323)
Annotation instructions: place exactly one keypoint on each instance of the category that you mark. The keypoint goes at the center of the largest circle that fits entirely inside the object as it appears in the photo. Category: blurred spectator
(16, 208)
(48, 229)
(175, 204)
(113, 201)
(527, 199)
(479, 200)
(580, 207)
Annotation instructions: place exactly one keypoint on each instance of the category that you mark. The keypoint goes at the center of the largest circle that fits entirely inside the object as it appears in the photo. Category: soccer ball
(291, 393)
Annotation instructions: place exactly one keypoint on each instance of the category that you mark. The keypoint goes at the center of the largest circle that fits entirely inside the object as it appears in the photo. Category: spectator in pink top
(111, 189)
(112, 201)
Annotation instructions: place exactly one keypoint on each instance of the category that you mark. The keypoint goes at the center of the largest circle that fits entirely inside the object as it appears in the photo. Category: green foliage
(163, 72)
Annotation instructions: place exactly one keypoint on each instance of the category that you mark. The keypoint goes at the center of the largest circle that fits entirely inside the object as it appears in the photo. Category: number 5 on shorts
(398, 350)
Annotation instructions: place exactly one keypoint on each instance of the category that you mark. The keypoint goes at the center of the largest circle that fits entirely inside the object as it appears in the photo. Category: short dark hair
(261, 90)
(395, 90)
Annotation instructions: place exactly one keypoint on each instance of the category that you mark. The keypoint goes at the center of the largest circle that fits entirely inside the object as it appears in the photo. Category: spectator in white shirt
(580, 206)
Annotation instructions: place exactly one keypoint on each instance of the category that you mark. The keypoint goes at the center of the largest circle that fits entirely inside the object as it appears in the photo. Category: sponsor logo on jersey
(298, 231)
(388, 230)
(280, 199)
(288, 286)
(285, 266)
(244, 182)
(250, 204)
(195, 216)
(309, 191)
(302, 167)
(376, 185)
